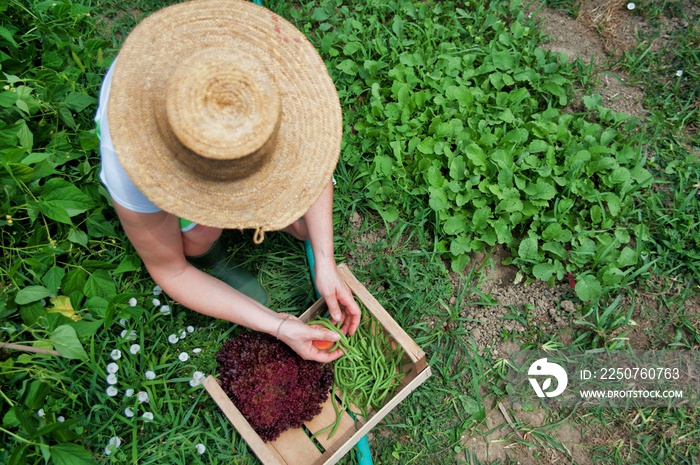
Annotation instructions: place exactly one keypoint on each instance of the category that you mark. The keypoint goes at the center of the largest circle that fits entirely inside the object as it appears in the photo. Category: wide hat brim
(277, 190)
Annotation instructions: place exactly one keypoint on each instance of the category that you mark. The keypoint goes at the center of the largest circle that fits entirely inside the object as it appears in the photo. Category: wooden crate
(294, 447)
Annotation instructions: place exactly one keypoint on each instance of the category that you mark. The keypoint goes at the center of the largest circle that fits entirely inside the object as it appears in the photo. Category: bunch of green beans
(368, 373)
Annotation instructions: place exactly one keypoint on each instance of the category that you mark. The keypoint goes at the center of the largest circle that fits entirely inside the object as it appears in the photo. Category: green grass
(402, 250)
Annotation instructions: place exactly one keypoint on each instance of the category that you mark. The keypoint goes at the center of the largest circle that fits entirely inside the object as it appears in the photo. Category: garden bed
(295, 446)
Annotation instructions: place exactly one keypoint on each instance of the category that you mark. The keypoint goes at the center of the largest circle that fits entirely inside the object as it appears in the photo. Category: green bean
(369, 371)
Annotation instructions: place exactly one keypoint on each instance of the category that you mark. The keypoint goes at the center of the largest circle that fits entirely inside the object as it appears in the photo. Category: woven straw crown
(223, 113)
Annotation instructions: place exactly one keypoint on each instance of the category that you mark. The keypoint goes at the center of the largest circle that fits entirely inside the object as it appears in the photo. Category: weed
(571, 7)
(606, 329)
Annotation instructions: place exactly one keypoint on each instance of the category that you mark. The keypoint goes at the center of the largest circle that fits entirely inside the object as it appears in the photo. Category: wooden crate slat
(296, 447)
(345, 440)
(313, 311)
(325, 418)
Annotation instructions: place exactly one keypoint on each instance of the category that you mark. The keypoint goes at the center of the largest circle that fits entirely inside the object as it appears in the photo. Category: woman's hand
(299, 337)
(339, 298)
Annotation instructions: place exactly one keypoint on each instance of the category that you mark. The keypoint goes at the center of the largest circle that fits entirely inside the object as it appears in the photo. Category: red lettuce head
(270, 384)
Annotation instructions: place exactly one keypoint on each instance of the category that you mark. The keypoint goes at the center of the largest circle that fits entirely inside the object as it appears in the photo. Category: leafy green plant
(56, 291)
(461, 110)
(53, 213)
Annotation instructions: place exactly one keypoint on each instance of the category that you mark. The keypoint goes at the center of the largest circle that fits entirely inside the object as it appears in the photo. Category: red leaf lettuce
(270, 384)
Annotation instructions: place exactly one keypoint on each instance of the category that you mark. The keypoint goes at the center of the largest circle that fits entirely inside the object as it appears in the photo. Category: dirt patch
(514, 435)
(580, 38)
(364, 238)
(110, 25)
(503, 310)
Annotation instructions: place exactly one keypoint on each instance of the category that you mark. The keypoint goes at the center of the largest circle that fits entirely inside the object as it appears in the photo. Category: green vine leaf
(71, 454)
(66, 342)
(31, 294)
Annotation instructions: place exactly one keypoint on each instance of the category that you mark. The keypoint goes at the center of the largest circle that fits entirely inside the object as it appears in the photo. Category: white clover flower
(196, 350)
(134, 349)
(183, 356)
(132, 302)
(112, 368)
(129, 392)
(112, 379)
(679, 73)
(150, 375)
(112, 391)
(201, 448)
(112, 445)
(122, 321)
(165, 310)
(129, 336)
(142, 396)
(156, 302)
(631, 6)
(183, 334)
(148, 416)
(173, 338)
(40, 412)
(190, 329)
(116, 354)
(128, 413)
(197, 378)
(60, 419)
(157, 290)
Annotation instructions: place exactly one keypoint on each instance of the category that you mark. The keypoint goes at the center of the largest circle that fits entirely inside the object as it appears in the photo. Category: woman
(220, 114)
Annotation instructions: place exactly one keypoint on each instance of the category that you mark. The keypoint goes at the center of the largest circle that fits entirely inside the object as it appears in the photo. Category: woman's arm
(158, 241)
(338, 296)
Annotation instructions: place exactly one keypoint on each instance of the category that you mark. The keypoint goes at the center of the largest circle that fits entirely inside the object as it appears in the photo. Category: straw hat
(223, 113)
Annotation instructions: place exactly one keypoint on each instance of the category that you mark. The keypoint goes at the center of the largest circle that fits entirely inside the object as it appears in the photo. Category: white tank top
(112, 174)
